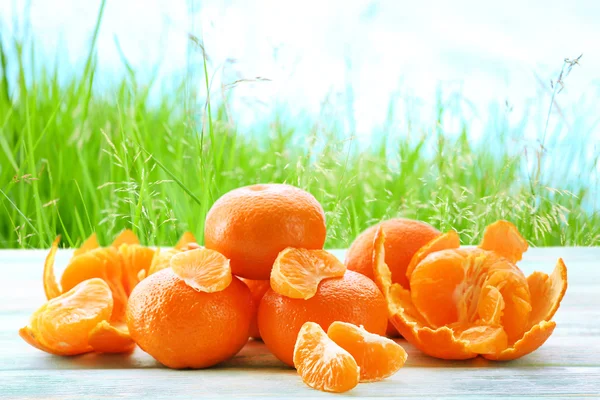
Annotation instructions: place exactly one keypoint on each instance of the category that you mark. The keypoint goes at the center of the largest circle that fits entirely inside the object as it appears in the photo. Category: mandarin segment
(203, 270)
(51, 287)
(448, 240)
(29, 337)
(104, 263)
(433, 286)
(297, 272)
(321, 363)
(377, 356)
(107, 338)
(503, 238)
(62, 325)
(491, 305)
(547, 292)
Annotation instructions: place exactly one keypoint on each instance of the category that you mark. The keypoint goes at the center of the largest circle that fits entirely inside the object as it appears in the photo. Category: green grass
(75, 159)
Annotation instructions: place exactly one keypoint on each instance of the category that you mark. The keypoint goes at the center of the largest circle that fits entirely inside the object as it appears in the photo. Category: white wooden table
(567, 365)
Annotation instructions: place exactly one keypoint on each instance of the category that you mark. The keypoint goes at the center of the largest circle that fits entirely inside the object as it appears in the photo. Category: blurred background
(141, 114)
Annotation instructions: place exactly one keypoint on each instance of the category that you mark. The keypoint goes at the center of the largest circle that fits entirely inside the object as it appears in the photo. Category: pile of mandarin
(263, 274)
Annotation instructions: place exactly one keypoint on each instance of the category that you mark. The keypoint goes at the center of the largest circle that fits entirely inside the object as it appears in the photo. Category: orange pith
(119, 267)
(465, 302)
(297, 272)
(377, 356)
(321, 363)
(202, 269)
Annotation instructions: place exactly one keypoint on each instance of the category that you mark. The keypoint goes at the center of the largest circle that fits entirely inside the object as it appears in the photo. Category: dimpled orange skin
(252, 224)
(352, 298)
(184, 328)
(403, 238)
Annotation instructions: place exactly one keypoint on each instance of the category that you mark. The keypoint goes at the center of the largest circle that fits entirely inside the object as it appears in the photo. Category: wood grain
(567, 365)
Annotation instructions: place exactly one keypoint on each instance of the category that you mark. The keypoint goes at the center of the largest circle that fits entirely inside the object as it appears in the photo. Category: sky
(353, 59)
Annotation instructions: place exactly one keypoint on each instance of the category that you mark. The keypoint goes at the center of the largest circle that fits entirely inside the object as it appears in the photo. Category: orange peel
(126, 236)
(51, 287)
(185, 240)
(90, 243)
(107, 338)
(473, 301)
(504, 239)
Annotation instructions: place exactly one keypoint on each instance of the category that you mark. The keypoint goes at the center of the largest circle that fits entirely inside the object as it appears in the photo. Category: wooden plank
(567, 365)
(270, 382)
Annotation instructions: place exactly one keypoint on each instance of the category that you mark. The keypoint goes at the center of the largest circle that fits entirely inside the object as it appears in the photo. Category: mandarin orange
(350, 298)
(252, 224)
(185, 328)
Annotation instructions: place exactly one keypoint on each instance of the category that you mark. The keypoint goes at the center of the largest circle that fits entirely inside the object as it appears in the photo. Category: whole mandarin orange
(403, 238)
(258, 290)
(183, 328)
(252, 224)
(352, 298)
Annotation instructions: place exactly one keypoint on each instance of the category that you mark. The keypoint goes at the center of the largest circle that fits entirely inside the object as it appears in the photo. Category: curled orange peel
(185, 240)
(107, 338)
(508, 317)
(125, 236)
(51, 287)
(90, 243)
(504, 239)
